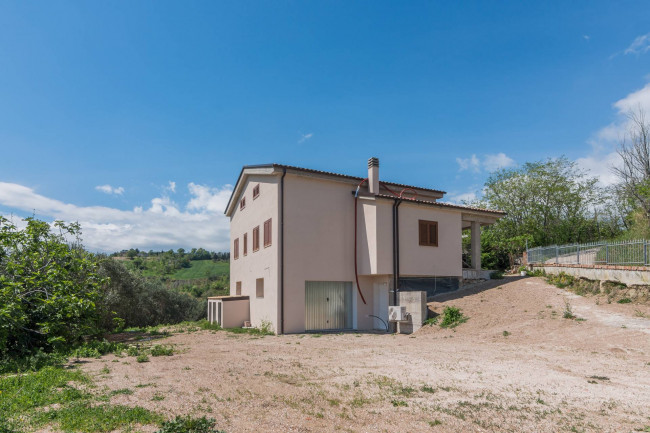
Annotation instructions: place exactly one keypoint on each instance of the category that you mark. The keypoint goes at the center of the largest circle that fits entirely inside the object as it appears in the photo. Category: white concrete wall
(443, 260)
(234, 313)
(263, 263)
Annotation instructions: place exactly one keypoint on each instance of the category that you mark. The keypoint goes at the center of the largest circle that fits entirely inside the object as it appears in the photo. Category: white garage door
(328, 305)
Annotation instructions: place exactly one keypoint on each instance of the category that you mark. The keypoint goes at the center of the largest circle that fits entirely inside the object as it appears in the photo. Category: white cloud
(171, 187)
(163, 225)
(305, 137)
(498, 161)
(603, 153)
(489, 163)
(472, 163)
(640, 45)
(460, 198)
(110, 190)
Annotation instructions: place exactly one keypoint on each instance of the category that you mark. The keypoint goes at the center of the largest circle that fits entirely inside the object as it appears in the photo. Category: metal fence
(593, 253)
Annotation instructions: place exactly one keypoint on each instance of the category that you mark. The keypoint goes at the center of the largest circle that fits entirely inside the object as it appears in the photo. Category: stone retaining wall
(628, 275)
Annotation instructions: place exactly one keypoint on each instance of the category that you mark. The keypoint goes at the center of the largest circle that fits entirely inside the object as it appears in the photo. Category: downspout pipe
(284, 173)
(399, 202)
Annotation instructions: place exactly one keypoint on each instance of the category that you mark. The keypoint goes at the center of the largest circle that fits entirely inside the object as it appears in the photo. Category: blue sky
(134, 117)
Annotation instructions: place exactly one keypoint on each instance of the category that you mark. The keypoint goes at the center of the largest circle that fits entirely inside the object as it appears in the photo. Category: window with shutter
(245, 243)
(256, 238)
(256, 191)
(428, 233)
(242, 203)
(267, 233)
(236, 249)
(238, 288)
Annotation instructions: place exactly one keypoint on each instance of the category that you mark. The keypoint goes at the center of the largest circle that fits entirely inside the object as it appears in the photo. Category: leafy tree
(48, 287)
(547, 202)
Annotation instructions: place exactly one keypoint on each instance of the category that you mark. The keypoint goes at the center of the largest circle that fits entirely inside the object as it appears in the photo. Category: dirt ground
(549, 374)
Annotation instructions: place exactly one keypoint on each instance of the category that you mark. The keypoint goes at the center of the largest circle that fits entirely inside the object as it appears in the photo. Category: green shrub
(496, 275)
(49, 286)
(452, 317)
(624, 301)
(162, 350)
(97, 348)
(142, 358)
(568, 312)
(187, 424)
(205, 325)
(431, 321)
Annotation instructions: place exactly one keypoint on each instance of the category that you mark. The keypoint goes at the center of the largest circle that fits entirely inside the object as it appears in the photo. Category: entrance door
(328, 305)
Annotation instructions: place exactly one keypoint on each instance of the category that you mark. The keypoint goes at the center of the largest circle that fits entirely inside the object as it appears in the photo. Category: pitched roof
(445, 205)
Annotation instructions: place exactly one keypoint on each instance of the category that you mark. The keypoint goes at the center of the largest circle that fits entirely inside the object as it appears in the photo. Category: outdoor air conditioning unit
(397, 313)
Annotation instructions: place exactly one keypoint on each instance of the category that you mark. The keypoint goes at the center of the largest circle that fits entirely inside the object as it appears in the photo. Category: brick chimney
(373, 175)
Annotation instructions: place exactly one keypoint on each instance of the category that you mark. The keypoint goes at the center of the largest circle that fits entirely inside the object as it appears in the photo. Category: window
(242, 203)
(259, 287)
(256, 238)
(236, 249)
(267, 233)
(256, 191)
(429, 233)
(238, 288)
(245, 243)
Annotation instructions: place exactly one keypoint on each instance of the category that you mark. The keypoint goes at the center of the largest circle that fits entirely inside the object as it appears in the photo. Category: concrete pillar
(476, 245)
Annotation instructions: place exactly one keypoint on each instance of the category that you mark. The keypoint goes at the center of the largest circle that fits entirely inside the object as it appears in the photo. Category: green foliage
(202, 269)
(506, 333)
(266, 328)
(496, 275)
(187, 424)
(452, 317)
(84, 417)
(399, 403)
(547, 202)
(162, 350)
(431, 321)
(568, 312)
(142, 358)
(624, 301)
(50, 385)
(142, 302)
(560, 280)
(97, 348)
(48, 288)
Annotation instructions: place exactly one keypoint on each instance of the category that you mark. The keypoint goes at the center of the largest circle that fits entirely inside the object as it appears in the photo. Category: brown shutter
(433, 233)
(267, 233)
(245, 243)
(256, 238)
(424, 233)
(236, 248)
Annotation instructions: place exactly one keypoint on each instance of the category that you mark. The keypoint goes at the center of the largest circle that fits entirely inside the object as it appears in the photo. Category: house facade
(314, 250)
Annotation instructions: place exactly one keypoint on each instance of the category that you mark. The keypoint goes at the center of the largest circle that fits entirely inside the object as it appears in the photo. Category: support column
(476, 245)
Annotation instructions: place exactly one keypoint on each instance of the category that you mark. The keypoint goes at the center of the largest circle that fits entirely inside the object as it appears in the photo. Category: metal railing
(631, 253)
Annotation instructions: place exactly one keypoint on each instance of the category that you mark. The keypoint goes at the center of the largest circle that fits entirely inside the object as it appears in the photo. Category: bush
(141, 302)
(48, 288)
(142, 358)
(496, 275)
(162, 350)
(452, 317)
(187, 424)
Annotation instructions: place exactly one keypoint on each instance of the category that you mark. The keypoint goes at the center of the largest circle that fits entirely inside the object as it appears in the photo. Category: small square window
(256, 191)
(242, 203)
(259, 287)
(428, 233)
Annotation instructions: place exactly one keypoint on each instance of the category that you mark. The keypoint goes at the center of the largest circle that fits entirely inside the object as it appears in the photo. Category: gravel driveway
(547, 374)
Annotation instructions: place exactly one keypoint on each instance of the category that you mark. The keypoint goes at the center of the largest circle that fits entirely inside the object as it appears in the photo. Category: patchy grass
(188, 424)
(66, 394)
(568, 312)
(624, 301)
(162, 350)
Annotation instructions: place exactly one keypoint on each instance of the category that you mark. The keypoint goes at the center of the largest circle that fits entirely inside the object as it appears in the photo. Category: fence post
(607, 254)
(645, 252)
(578, 253)
(557, 254)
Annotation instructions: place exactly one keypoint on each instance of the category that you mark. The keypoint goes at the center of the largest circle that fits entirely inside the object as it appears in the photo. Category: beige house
(313, 250)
